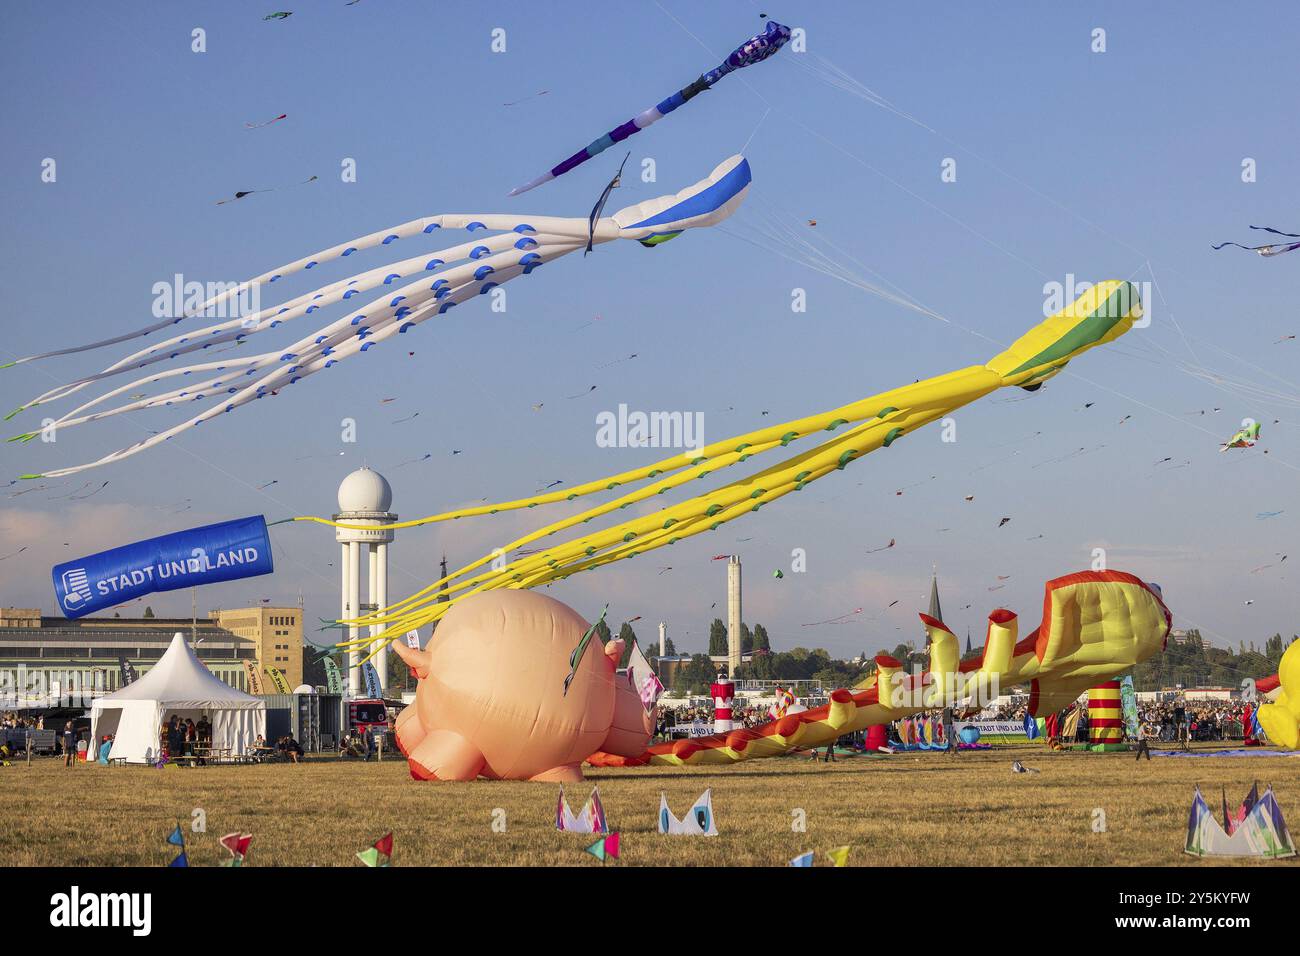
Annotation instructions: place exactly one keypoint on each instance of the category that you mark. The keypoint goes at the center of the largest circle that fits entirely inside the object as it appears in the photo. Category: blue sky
(1119, 164)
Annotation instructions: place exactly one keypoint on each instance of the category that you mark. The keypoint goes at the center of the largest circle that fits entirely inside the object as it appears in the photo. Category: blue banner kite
(207, 555)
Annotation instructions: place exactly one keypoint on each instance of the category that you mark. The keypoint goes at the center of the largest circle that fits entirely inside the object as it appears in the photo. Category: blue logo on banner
(207, 555)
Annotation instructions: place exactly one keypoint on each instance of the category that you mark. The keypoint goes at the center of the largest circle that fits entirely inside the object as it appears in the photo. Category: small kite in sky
(278, 15)
(778, 573)
(248, 192)
(70, 493)
(413, 461)
(884, 548)
(275, 481)
(836, 620)
(663, 569)
(266, 122)
(580, 394)
(1269, 514)
(91, 495)
(1124, 419)
(400, 420)
(1273, 249)
(15, 554)
(812, 222)
(524, 99)
(597, 209)
(1003, 521)
(385, 401)
(622, 360)
(456, 451)
(892, 603)
(970, 497)
(1285, 338)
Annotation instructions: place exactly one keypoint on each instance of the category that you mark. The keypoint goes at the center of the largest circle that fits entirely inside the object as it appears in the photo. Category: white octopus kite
(520, 245)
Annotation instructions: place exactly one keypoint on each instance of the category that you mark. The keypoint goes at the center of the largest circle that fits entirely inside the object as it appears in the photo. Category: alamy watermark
(210, 300)
(638, 429)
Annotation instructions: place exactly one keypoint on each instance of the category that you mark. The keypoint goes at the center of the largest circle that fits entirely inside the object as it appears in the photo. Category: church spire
(935, 611)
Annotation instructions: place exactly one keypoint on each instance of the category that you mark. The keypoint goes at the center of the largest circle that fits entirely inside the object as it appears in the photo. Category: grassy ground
(967, 810)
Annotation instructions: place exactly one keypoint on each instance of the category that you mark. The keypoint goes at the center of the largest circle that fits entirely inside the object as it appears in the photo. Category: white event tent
(178, 684)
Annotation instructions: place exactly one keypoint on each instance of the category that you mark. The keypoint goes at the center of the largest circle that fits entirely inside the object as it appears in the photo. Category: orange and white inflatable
(491, 700)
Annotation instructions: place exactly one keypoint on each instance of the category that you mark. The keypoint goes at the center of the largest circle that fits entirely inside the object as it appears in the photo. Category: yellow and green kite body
(1102, 314)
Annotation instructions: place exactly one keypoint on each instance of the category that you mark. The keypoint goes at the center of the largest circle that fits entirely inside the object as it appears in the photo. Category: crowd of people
(182, 736)
(1160, 721)
(1203, 720)
(12, 720)
(1207, 720)
(673, 720)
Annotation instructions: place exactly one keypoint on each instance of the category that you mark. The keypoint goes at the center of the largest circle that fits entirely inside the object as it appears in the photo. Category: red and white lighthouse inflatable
(724, 693)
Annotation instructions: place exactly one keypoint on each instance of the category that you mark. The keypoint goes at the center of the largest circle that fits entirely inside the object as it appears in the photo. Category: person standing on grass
(949, 732)
(69, 744)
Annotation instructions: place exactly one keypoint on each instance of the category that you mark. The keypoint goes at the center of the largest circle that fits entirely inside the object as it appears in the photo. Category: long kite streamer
(1100, 315)
(754, 50)
(437, 282)
(1273, 249)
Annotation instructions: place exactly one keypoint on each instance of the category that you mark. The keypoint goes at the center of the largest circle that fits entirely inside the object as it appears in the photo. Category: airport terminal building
(52, 657)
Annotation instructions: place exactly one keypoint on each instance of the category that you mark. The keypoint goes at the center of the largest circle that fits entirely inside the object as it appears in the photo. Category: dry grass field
(967, 810)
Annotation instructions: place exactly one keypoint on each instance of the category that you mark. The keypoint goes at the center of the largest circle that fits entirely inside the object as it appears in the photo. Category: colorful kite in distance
(1273, 249)
(279, 15)
(754, 50)
(1244, 438)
